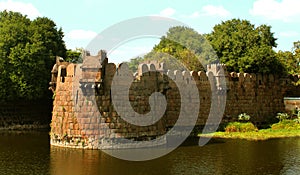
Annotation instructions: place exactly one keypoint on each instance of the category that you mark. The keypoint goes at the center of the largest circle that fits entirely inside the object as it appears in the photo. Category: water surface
(30, 153)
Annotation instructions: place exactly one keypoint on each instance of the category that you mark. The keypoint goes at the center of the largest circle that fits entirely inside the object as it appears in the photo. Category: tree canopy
(183, 48)
(291, 60)
(27, 54)
(74, 56)
(237, 43)
(245, 48)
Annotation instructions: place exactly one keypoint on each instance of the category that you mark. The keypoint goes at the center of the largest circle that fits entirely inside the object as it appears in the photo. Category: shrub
(286, 125)
(232, 127)
(240, 127)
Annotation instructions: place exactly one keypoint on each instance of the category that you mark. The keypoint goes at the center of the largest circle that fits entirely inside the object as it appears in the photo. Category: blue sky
(82, 20)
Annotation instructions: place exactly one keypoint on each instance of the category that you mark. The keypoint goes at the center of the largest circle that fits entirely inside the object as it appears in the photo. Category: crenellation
(247, 78)
(170, 74)
(202, 76)
(240, 77)
(178, 77)
(186, 76)
(260, 79)
(151, 67)
(142, 68)
(83, 110)
(234, 76)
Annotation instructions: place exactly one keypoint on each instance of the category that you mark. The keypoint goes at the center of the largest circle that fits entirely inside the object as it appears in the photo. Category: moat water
(30, 153)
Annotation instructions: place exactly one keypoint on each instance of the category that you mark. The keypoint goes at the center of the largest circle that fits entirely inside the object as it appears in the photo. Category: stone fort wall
(84, 115)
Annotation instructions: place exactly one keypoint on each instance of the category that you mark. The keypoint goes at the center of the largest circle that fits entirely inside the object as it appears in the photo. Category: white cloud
(210, 10)
(194, 15)
(286, 10)
(289, 34)
(81, 34)
(167, 12)
(22, 7)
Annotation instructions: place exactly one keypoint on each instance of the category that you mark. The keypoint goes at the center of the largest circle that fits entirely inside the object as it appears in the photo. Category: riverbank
(263, 134)
(236, 130)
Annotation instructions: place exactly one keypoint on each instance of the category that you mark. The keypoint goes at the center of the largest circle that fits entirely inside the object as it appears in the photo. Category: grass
(283, 129)
(240, 127)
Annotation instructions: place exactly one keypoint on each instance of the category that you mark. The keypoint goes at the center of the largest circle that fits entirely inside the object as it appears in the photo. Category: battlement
(216, 68)
(84, 111)
(94, 68)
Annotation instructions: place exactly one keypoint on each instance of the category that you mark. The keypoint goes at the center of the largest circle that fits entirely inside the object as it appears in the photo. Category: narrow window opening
(63, 74)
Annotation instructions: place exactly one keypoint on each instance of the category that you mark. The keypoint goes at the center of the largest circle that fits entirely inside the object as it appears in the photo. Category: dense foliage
(74, 56)
(134, 62)
(27, 54)
(291, 60)
(244, 47)
(237, 43)
(182, 48)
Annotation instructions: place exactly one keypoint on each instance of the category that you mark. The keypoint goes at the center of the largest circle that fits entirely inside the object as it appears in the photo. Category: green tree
(287, 58)
(74, 56)
(296, 61)
(44, 31)
(183, 47)
(134, 62)
(291, 60)
(244, 47)
(28, 74)
(27, 54)
(12, 25)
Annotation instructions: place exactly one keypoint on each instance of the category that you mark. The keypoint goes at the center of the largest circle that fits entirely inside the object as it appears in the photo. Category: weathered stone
(89, 112)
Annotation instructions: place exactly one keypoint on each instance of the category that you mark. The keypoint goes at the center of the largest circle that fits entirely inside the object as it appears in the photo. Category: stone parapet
(87, 105)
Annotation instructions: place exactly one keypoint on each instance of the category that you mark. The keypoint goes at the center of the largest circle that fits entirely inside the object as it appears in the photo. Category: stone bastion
(84, 115)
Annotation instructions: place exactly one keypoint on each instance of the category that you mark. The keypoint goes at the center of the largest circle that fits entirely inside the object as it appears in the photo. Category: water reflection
(82, 162)
(218, 157)
(30, 153)
(291, 158)
(24, 153)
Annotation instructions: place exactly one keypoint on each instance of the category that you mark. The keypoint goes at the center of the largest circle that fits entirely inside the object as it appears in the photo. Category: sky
(82, 20)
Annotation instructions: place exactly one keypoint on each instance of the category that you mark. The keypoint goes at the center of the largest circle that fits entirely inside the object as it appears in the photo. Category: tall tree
(74, 56)
(44, 31)
(27, 53)
(244, 47)
(291, 60)
(183, 47)
(12, 27)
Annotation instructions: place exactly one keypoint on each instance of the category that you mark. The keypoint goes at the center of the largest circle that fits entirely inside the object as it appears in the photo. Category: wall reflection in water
(83, 162)
(277, 156)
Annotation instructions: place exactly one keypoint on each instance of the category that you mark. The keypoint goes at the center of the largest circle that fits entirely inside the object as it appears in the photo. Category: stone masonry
(84, 115)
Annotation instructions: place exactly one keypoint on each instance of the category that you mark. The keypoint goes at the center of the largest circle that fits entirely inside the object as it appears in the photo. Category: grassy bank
(262, 134)
(239, 130)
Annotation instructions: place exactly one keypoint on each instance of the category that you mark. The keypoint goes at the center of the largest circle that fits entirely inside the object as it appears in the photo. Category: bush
(286, 125)
(240, 127)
